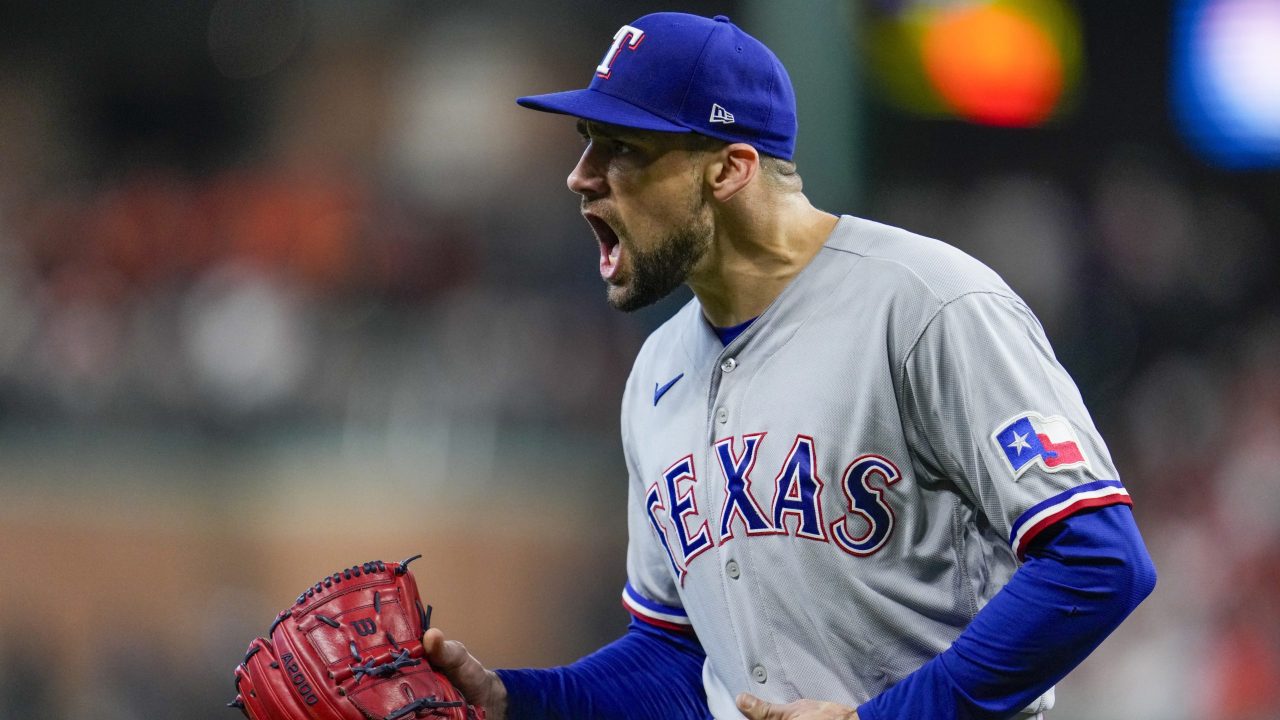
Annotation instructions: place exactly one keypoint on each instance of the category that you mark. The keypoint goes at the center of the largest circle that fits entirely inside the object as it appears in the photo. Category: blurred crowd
(378, 213)
(335, 222)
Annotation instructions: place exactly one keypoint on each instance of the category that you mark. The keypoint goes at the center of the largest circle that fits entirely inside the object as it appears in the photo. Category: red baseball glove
(350, 648)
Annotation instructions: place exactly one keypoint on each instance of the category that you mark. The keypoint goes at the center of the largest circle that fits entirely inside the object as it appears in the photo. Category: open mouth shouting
(610, 246)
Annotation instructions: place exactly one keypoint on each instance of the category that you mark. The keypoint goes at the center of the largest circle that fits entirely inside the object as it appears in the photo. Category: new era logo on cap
(675, 72)
(720, 115)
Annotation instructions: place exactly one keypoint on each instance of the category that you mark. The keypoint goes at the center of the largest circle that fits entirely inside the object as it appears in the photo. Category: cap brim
(594, 105)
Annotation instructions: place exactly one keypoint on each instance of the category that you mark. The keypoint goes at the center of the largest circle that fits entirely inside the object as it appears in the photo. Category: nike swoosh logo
(659, 391)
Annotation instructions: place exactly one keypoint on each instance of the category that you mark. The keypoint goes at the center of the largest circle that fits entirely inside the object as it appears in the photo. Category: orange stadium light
(993, 65)
(1011, 63)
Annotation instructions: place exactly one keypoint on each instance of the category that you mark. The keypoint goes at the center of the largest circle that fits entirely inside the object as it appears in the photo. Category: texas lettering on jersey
(794, 506)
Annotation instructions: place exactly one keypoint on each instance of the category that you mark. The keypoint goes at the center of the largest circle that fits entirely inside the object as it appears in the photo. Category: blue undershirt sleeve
(647, 674)
(1080, 580)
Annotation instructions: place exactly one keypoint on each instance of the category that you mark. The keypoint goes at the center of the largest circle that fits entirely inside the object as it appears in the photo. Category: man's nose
(586, 178)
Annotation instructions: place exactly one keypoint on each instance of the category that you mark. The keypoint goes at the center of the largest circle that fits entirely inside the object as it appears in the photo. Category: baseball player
(861, 485)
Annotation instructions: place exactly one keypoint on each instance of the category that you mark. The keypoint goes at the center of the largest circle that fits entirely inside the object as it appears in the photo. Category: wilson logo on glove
(320, 661)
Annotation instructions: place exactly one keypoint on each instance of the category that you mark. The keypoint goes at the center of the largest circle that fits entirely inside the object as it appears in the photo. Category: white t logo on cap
(626, 34)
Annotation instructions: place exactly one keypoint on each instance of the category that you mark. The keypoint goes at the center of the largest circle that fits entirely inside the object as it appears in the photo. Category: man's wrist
(495, 703)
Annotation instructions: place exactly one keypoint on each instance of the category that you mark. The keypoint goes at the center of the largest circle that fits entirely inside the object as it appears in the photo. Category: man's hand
(480, 686)
(756, 709)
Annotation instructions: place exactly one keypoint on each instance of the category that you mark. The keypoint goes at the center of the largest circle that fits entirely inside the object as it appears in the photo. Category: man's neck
(754, 259)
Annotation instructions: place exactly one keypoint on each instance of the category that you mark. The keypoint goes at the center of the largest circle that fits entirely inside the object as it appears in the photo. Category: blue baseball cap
(675, 72)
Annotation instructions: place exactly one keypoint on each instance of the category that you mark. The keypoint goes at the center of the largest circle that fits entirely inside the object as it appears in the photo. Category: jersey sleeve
(994, 413)
(651, 593)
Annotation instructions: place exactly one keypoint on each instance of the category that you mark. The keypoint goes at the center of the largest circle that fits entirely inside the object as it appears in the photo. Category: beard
(658, 271)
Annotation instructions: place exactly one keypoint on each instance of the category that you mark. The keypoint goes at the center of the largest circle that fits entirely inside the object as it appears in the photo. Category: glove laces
(429, 704)
(371, 668)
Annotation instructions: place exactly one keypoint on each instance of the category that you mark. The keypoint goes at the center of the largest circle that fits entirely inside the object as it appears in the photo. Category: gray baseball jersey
(832, 497)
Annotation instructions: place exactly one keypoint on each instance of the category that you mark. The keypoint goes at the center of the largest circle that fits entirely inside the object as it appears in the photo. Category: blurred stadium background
(266, 255)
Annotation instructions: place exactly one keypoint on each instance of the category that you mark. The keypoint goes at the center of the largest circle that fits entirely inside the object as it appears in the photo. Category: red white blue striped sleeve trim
(663, 616)
(1031, 523)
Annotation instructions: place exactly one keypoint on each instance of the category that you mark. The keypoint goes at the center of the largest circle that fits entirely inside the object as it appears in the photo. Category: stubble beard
(657, 272)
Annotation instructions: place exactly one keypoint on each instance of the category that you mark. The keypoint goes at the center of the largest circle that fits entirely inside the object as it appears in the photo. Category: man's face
(642, 195)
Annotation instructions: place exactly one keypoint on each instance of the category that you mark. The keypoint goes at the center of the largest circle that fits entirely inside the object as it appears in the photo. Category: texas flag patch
(1032, 439)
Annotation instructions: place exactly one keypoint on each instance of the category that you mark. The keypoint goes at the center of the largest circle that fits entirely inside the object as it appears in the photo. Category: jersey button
(729, 364)
(732, 570)
(722, 415)
(759, 674)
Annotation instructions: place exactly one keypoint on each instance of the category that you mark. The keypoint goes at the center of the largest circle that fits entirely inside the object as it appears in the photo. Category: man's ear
(734, 168)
